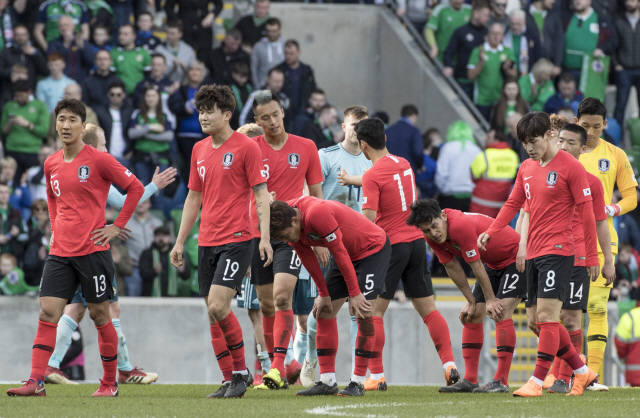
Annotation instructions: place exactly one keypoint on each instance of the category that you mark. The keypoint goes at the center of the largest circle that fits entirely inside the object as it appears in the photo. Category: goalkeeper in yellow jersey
(611, 165)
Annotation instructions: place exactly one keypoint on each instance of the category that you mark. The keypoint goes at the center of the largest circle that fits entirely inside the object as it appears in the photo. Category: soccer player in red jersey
(288, 161)
(553, 184)
(225, 167)
(361, 253)
(498, 290)
(78, 179)
(572, 138)
(389, 190)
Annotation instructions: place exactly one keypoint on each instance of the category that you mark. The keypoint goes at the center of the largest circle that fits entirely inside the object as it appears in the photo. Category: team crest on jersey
(604, 164)
(313, 236)
(294, 159)
(83, 173)
(227, 160)
(552, 178)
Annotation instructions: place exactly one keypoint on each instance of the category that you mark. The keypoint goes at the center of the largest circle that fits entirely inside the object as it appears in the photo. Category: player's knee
(99, 317)
(282, 301)
(50, 315)
(570, 322)
(218, 311)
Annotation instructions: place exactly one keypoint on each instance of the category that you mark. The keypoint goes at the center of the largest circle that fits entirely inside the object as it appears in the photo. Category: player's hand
(125, 234)
(521, 258)
(594, 272)
(359, 306)
(597, 53)
(165, 178)
(321, 304)
(447, 71)
(176, 255)
(467, 312)
(102, 236)
(534, 327)
(323, 255)
(266, 251)
(612, 210)
(495, 309)
(483, 240)
(343, 177)
(609, 273)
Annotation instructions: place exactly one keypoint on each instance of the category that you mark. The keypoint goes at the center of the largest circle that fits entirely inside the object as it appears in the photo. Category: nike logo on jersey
(527, 178)
(549, 289)
(266, 159)
(227, 279)
(54, 175)
(199, 162)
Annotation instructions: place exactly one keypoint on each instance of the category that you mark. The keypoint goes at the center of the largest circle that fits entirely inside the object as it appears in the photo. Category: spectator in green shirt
(444, 20)
(487, 64)
(25, 123)
(12, 281)
(130, 62)
(537, 86)
(46, 28)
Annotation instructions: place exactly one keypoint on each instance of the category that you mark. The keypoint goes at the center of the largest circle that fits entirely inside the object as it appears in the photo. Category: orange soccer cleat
(379, 384)
(529, 390)
(548, 381)
(581, 381)
(451, 376)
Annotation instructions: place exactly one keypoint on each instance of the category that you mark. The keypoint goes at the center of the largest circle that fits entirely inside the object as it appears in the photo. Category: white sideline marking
(337, 410)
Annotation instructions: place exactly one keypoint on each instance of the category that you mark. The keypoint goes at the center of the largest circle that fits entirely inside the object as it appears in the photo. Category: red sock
(232, 332)
(505, 343)
(375, 363)
(547, 347)
(576, 341)
(43, 346)
(281, 336)
(222, 354)
(365, 341)
(472, 340)
(327, 344)
(267, 331)
(555, 369)
(108, 347)
(566, 351)
(439, 331)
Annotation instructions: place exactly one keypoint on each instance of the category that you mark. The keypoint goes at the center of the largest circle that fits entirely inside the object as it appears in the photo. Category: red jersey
(551, 194)
(77, 196)
(225, 176)
(346, 233)
(389, 188)
(286, 169)
(597, 194)
(464, 230)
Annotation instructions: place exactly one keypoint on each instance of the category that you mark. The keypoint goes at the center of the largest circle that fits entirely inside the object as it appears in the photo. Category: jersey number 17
(396, 177)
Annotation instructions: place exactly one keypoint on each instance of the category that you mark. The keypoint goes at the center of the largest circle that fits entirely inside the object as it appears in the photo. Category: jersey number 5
(396, 177)
(55, 187)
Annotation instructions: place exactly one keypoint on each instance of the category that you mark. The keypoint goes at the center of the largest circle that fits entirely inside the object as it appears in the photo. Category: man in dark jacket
(96, 85)
(546, 22)
(404, 139)
(159, 277)
(626, 60)
(221, 60)
(299, 81)
(22, 52)
(319, 130)
(197, 18)
(253, 26)
(114, 120)
(524, 43)
(78, 53)
(13, 237)
(462, 42)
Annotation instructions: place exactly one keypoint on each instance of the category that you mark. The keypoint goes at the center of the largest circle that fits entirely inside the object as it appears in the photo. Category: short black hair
(533, 125)
(576, 129)
(281, 216)
(209, 96)
(242, 68)
(408, 110)
(158, 55)
(382, 115)
(21, 86)
(176, 24)
(371, 131)
(145, 13)
(479, 5)
(292, 42)
(161, 230)
(423, 211)
(74, 106)
(118, 84)
(275, 70)
(132, 26)
(318, 91)
(566, 77)
(234, 33)
(591, 106)
(273, 21)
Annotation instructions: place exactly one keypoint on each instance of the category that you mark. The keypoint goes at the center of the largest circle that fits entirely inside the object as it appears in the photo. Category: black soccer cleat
(319, 389)
(463, 386)
(248, 379)
(559, 386)
(220, 392)
(237, 388)
(352, 389)
(494, 386)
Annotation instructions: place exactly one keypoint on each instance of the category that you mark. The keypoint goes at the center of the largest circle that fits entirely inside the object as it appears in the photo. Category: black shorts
(371, 272)
(578, 296)
(285, 260)
(409, 263)
(548, 277)
(223, 265)
(506, 283)
(93, 272)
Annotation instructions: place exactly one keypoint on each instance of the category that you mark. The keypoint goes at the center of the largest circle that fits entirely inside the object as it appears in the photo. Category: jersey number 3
(396, 177)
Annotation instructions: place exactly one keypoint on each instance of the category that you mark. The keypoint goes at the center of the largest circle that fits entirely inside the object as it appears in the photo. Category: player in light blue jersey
(337, 161)
(74, 312)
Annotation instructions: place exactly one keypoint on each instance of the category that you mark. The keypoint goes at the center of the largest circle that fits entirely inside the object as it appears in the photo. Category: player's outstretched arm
(604, 238)
(189, 215)
(263, 208)
(347, 179)
(158, 182)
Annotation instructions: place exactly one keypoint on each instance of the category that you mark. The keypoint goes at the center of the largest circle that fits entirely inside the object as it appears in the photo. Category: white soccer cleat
(308, 373)
(597, 387)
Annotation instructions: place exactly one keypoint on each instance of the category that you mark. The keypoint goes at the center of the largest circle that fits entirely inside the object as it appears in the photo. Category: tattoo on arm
(259, 187)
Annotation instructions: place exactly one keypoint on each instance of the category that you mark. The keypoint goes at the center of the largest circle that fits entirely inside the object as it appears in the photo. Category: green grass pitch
(398, 401)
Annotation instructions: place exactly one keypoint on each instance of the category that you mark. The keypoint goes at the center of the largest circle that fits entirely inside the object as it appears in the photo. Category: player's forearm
(310, 262)
(589, 226)
(354, 180)
(315, 190)
(134, 193)
(263, 210)
(345, 265)
(483, 279)
(189, 215)
(116, 199)
(629, 200)
(519, 221)
(504, 217)
(604, 238)
(370, 214)
(524, 229)
(455, 272)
